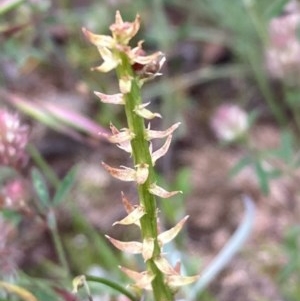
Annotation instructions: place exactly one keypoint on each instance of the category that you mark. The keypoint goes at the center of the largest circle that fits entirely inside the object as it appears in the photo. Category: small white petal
(119, 137)
(162, 151)
(117, 99)
(164, 266)
(178, 280)
(170, 234)
(110, 62)
(133, 217)
(159, 191)
(150, 134)
(133, 247)
(142, 280)
(99, 40)
(125, 174)
(125, 145)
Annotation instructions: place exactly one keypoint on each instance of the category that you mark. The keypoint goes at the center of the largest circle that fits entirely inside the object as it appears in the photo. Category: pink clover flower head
(283, 52)
(229, 122)
(15, 194)
(13, 140)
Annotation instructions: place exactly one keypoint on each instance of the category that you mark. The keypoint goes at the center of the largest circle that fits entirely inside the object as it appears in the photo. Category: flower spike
(133, 68)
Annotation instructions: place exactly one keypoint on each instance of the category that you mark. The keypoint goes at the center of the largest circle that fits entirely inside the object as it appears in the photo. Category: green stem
(141, 155)
(43, 165)
(113, 285)
(52, 225)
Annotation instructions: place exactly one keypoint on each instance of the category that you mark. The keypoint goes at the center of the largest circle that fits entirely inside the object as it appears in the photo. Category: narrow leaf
(262, 177)
(64, 187)
(40, 188)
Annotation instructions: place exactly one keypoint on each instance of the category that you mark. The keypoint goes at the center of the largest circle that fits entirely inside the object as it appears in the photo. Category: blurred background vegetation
(244, 53)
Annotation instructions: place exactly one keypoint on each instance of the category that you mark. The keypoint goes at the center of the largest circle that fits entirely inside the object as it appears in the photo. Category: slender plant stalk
(43, 165)
(134, 68)
(111, 284)
(141, 155)
(52, 225)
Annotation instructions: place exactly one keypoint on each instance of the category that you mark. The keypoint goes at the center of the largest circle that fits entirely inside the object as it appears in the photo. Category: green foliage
(64, 187)
(288, 277)
(41, 189)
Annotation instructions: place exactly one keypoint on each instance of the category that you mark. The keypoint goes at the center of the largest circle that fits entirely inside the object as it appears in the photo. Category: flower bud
(125, 84)
(122, 31)
(142, 172)
(145, 113)
(148, 248)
